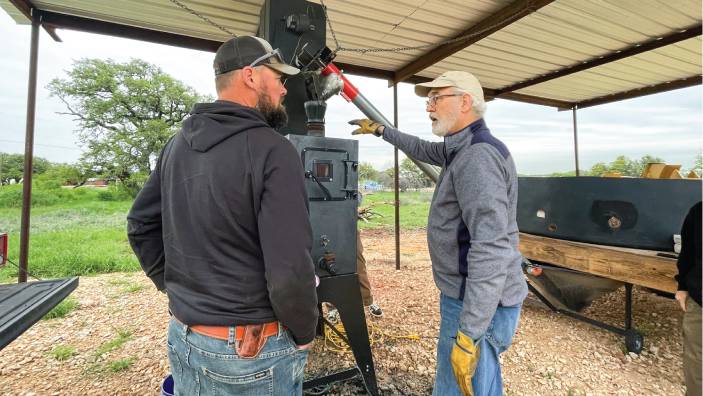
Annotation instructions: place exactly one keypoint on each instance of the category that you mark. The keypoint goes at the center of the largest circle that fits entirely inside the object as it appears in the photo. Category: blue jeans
(202, 365)
(487, 380)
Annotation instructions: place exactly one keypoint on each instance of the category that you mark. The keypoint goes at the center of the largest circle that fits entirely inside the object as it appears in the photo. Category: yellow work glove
(464, 360)
(366, 126)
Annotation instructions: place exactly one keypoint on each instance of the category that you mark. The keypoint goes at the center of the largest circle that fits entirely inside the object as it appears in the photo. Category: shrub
(116, 193)
(11, 196)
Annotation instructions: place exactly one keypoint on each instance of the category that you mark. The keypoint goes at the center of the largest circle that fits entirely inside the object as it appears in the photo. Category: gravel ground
(118, 332)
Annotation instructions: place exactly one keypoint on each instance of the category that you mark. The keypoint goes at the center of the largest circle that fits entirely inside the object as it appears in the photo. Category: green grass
(134, 288)
(77, 232)
(118, 282)
(122, 337)
(414, 208)
(121, 365)
(62, 309)
(63, 352)
(80, 235)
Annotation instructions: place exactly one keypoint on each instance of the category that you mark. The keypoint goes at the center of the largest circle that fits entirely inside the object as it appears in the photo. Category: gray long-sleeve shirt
(472, 229)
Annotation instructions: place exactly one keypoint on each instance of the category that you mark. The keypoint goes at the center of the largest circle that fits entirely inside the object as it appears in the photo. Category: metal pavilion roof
(561, 53)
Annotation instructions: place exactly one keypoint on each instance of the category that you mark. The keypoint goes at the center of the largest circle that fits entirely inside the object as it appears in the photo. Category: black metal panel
(331, 166)
(630, 212)
(23, 304)
(278, 19)
(343, 291)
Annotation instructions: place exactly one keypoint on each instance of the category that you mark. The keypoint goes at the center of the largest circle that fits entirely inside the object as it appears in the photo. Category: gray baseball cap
(243, 51)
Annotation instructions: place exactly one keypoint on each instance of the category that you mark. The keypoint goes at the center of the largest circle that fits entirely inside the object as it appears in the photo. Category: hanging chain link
(527, 9)
(203, 17)
(329, 23)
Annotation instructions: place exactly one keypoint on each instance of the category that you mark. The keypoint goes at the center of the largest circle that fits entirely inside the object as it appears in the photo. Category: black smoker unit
(297, 28)
(630, 212)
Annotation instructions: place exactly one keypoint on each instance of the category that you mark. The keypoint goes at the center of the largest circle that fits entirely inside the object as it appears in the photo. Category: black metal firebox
(331, 183)
(297, 28)
(331, 167)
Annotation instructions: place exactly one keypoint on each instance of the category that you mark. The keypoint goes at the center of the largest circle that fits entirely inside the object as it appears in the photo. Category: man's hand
(367, 126)
(464, 360)
(681, 297)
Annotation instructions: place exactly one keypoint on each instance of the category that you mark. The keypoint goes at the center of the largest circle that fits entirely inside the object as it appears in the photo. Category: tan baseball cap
(459, 79)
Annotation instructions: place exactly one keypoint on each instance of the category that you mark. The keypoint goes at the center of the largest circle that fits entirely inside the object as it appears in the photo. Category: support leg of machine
(343, 292)
(634, 341)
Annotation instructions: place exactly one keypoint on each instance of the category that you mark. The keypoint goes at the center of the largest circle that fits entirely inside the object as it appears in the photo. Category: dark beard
(275, 116)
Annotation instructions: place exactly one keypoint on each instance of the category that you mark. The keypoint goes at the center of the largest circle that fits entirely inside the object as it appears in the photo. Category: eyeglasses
(275, 53)
(432, 100)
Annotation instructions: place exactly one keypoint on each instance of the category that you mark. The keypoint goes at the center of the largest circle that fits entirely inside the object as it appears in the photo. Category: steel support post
(29, 150)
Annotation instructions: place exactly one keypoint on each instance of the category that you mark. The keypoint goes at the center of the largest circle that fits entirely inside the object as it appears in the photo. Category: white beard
(440, 127)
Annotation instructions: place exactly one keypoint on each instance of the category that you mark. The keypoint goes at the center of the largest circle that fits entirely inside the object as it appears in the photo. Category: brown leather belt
(222, 332)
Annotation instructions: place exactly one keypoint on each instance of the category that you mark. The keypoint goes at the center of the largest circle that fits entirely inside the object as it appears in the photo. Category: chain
(203, 17)
(528, 7)
(329, 23)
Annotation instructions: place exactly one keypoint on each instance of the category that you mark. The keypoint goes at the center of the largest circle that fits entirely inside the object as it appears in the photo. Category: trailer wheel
(634, 341)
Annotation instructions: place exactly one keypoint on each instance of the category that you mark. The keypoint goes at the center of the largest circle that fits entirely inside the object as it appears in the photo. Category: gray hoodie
(472, 229)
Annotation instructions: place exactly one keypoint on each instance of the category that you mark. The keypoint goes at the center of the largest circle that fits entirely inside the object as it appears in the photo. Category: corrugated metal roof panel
(561, 34)
(13, 12)
(651, 68)
(390, 24)
(237, 16)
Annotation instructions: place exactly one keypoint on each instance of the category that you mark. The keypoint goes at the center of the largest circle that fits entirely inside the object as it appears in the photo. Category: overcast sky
(666, 125)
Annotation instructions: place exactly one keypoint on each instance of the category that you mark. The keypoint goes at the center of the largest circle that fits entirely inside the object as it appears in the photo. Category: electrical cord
(335, 343)
(23, 270)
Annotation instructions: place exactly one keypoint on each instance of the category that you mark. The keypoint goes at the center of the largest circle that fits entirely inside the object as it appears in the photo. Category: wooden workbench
(639, 267)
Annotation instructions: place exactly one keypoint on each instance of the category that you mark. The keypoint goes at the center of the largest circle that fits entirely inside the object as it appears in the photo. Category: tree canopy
(367, 172)
(125, 111)
(12, 167)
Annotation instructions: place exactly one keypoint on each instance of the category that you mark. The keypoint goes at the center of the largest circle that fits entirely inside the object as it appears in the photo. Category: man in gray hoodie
(472, 234)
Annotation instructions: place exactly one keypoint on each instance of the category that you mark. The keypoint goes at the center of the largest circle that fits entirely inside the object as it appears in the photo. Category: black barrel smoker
(297, 28)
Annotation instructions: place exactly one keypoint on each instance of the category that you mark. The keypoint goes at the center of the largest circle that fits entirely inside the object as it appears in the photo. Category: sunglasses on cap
(273, 54)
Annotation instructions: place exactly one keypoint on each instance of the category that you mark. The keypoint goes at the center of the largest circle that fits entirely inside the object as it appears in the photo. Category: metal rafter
(502, 18)
(634, 93)
(690, 32)
(26, 7)
(57, 20)
(489, 93)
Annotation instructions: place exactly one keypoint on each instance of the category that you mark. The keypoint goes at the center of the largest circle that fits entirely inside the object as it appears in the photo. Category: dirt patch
(118, 333)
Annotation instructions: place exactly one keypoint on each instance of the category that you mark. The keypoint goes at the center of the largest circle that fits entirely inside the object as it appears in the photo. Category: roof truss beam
(26, 8)
(57, 20)
(691, 32)
(634, 93)
(489, 93)
(497, 21)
